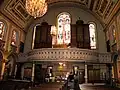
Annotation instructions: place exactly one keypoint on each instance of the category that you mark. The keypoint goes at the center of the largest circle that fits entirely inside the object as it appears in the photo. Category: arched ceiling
(101, 9)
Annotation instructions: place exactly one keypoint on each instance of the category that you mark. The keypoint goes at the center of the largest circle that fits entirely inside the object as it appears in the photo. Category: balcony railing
(71, 54)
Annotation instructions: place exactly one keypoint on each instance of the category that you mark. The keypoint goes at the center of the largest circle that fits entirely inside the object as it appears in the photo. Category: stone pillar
(115, 69)
(33, 72)
(2, 69)
(22, 72)
(15, 70)
(109, 73)
(86, 74)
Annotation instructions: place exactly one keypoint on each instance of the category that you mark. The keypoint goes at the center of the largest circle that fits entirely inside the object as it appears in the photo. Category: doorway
(81, 76)
(93, 75)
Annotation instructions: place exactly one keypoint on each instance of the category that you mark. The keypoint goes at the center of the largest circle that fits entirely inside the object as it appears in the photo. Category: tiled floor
(96, 87)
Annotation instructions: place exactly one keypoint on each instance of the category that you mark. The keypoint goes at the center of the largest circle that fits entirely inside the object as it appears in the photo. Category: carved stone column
(15, 71)
(2, 69)
(86, 74)
(109, 73)
(22, 72)
(33, 71)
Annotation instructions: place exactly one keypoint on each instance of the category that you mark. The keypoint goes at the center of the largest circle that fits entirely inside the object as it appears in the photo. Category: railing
(105, 58)
(71, 54)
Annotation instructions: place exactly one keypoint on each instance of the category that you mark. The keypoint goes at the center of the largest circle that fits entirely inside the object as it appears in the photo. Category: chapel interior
(78, 36)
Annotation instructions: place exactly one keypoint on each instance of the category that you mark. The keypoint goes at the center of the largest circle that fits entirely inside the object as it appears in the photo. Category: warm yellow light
(50, 67)
(75, 68)
(60, 64)
(36, 8)
(64, 65)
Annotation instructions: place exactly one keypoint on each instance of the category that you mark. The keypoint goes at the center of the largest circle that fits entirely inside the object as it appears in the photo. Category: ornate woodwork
(65, 54)
(15, 9)
(43, 38)
(73, 35)
(80, 36)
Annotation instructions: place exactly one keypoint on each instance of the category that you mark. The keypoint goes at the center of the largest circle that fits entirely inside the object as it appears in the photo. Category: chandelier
(36, 8)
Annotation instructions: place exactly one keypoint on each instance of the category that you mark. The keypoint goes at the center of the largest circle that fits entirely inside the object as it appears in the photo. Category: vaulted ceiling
(104, 10)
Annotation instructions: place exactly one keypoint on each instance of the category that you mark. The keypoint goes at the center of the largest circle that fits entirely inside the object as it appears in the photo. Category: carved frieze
(15, 10)
(71, 54)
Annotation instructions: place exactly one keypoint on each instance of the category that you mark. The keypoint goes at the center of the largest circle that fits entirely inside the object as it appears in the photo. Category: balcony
(60, 54)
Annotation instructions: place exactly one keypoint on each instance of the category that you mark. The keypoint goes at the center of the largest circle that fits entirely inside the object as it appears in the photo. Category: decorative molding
(118, 28)
(15, 10)
(113, 12)
(60, 54)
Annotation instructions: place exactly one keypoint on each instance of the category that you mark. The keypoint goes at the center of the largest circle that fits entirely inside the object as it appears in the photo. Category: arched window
(63, 27)
(92, 30)
(14, 37)
(2, 30)
(113, 35)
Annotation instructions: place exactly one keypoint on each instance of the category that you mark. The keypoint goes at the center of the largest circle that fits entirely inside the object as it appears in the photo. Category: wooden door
(93, 75)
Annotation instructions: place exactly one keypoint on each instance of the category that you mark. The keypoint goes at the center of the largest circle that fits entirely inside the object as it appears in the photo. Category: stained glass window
(92, 30)
(113, 34)
(14, 37)
(2, 30)
(64, 35)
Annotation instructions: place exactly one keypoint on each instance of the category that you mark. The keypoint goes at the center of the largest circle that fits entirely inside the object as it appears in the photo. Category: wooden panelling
(80, 36)
(43, 38)
(80, 39)
(86, 36)
(73, 36)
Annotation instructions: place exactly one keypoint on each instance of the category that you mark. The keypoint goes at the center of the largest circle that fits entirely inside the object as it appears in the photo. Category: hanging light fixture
(36, 8)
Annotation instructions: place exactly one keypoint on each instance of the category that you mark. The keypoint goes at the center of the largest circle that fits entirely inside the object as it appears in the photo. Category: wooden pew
(44, 88)
(49, 86)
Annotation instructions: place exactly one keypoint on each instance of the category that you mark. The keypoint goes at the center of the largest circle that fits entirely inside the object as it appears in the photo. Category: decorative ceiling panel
(99, 7)
(15, 9)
